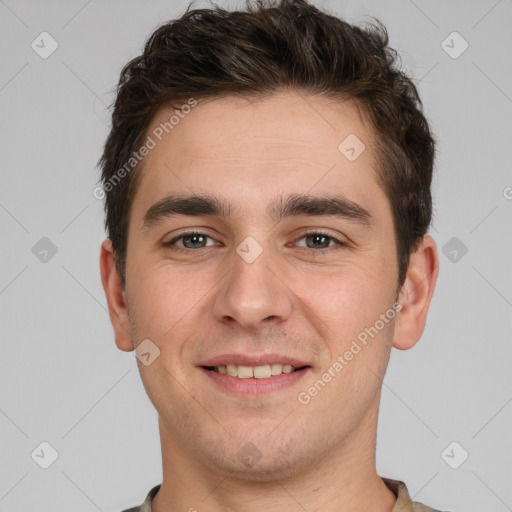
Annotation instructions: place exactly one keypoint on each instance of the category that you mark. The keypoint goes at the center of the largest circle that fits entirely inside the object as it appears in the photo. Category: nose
(253, 294)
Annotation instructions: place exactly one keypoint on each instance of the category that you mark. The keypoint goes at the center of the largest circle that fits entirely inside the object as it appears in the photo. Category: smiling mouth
(254, 372)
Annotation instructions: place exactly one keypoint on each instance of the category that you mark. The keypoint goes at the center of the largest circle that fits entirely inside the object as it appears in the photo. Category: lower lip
(252, 386)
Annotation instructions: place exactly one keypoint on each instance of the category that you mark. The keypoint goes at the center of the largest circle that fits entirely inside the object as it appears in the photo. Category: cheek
(349, 302)
(347, 297)
(168, 299)
(155, 306)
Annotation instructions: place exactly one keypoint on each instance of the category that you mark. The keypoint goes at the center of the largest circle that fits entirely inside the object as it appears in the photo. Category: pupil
(316, 237)
(193, 238)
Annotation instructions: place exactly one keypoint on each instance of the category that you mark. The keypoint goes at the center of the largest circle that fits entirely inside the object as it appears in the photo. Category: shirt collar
(397, 487)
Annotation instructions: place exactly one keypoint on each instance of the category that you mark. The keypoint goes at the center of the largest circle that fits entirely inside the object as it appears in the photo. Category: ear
(116, 299)
(416, 294)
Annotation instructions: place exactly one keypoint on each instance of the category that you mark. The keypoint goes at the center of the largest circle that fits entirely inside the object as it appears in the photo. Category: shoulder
(147, 505)
(419, 507)
(404, 501)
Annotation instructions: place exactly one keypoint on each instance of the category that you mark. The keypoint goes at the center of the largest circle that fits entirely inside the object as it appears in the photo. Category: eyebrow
(278, 209)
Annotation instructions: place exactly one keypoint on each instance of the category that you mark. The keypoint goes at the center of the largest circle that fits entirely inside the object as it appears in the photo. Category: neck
(344, 479)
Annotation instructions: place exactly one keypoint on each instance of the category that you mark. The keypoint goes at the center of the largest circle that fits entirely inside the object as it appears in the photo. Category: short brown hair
(271, 46)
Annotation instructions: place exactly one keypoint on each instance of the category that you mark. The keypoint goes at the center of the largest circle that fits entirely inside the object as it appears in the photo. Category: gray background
(63, 381)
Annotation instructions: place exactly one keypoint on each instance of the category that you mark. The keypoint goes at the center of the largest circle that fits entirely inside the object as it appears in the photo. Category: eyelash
(170, 243)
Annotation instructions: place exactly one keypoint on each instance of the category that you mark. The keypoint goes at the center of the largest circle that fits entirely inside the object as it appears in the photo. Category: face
(259, 284)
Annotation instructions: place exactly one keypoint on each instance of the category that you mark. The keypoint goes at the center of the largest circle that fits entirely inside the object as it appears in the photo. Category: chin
(262, 471)
(249, 463)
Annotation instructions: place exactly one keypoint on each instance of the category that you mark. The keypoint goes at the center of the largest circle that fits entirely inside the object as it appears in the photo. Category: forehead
(283, 123)
(248, 149)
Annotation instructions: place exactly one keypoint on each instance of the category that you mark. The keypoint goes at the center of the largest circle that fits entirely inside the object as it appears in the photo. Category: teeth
(231, 370)
(276, 369)
(257, 372)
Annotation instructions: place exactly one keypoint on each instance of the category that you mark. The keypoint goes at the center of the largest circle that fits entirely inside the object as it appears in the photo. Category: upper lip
(260, 360)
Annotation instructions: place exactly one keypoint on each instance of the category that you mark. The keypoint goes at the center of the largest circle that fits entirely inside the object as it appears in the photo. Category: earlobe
(116, 299)
(416, 294)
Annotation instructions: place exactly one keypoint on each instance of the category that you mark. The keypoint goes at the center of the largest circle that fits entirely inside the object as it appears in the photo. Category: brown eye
(192, 241)
(317, 241)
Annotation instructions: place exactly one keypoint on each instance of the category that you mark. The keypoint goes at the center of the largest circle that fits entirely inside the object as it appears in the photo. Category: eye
(196, 240)
(191, 240)
(319, 240)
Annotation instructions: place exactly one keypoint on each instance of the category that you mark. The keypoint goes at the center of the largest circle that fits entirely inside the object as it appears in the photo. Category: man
(267, 182)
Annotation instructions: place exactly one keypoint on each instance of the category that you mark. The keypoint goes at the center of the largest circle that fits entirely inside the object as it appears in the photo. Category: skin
(209, 301)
